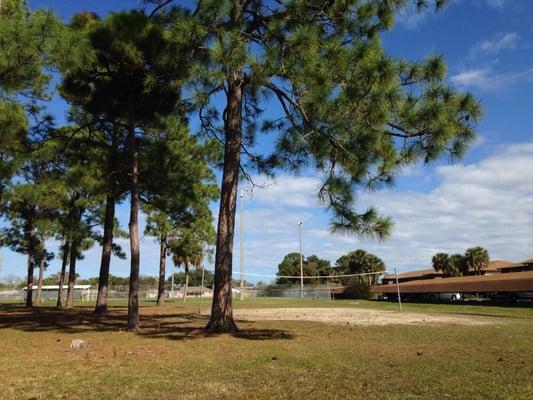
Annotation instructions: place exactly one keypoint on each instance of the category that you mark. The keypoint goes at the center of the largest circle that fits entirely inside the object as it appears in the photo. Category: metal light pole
(398, 290)
(202, 291)
(172, 284)
(241, 249)
(301, 260)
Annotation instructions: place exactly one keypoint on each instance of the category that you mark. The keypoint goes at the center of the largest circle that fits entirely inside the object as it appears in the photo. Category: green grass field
(172, 358)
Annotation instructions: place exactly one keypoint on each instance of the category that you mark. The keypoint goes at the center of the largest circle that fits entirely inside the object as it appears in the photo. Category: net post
(398, 290)
(201, 292)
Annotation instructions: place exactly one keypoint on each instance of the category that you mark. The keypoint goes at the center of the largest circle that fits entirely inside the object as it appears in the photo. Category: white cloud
(499, 43)
(489, 203)
(486, 79)
(496, 3)
(478, 78)
(412, 17)
(287, 191)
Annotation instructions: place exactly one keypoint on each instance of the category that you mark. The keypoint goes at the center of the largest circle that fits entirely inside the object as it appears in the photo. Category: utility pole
(398, 290)
(172, 284)
(241, 249)
(202, 291)
(301, 260)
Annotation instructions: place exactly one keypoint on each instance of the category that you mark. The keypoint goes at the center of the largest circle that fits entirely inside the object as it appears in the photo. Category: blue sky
(486, 199)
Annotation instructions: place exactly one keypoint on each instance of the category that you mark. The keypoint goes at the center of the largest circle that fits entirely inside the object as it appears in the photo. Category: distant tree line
(351, 263)
(355, 262)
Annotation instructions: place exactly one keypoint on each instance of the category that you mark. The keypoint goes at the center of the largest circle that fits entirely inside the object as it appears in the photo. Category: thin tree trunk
(162, 267)
(31, 264)
(107, 248)
(186, 281)
(222, 310)
(38, 297)
(72, 274)
(133, 297)
(66, 254)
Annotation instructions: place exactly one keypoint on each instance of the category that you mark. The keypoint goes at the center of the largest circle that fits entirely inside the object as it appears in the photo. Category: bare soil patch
(353, 316)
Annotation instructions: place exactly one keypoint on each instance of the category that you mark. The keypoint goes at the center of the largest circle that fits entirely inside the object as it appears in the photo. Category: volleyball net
(296, 286)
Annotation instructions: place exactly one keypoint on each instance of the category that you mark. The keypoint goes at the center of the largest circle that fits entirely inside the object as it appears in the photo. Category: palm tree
(188, 251)
(457, 265)
(441, 262)
(360, 262)
(476, 258)
(194, 258)
(180, 260)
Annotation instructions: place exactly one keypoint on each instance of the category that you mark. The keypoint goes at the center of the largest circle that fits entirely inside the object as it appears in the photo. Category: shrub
(356, 290)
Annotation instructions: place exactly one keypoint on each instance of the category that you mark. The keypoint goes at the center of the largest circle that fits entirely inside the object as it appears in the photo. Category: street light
(301, 260)
(241, 250)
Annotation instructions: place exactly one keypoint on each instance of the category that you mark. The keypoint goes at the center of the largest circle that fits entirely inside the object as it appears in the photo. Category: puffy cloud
(287, 191)
(486, 79)
(496, 3)
(499, 43)
(412, 18)
(489, 203)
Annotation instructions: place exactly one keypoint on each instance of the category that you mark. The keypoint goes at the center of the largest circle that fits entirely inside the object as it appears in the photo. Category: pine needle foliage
(346, 108)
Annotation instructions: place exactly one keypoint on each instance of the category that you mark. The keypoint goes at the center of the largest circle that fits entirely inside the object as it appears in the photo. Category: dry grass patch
(172, 358)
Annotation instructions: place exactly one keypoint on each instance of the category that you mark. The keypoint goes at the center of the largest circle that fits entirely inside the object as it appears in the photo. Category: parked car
(442, 297)
(511, 296)
(422, 297)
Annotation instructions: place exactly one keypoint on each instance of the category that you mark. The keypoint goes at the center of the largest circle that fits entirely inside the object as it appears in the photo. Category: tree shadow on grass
(161, 323)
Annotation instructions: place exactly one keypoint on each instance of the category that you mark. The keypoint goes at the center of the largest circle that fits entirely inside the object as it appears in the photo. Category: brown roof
(495, 265)
(513, 265)
(530, 261)
(515, 282)
(414, 274)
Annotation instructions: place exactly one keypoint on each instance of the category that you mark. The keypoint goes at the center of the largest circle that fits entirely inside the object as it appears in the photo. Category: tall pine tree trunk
(107, 248)
(222, 310)
(133, 296)
(162, 267)
(72, 274)
(64, 262)
(186, 281)
(31, 263)
(38, 297)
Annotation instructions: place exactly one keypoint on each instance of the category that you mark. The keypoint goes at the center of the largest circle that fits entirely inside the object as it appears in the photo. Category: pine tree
(28, 39)
(131, 82)
(177, 187)
(30, 200)
(45, 228)
(80, 204)
(348, 109)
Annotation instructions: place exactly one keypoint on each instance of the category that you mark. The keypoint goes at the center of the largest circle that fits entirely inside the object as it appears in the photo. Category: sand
(354, 316)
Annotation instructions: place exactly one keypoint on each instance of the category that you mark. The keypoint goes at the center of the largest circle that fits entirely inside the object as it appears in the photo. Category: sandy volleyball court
(354, 316)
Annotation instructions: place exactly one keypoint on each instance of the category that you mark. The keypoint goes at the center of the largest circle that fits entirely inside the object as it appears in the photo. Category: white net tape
(309, 277)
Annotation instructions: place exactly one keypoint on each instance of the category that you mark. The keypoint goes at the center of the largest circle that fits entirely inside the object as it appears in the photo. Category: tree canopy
(476, 259)
(473, 261)
(312, 266)
(313, 76)
(347, 109)
(360, 262)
